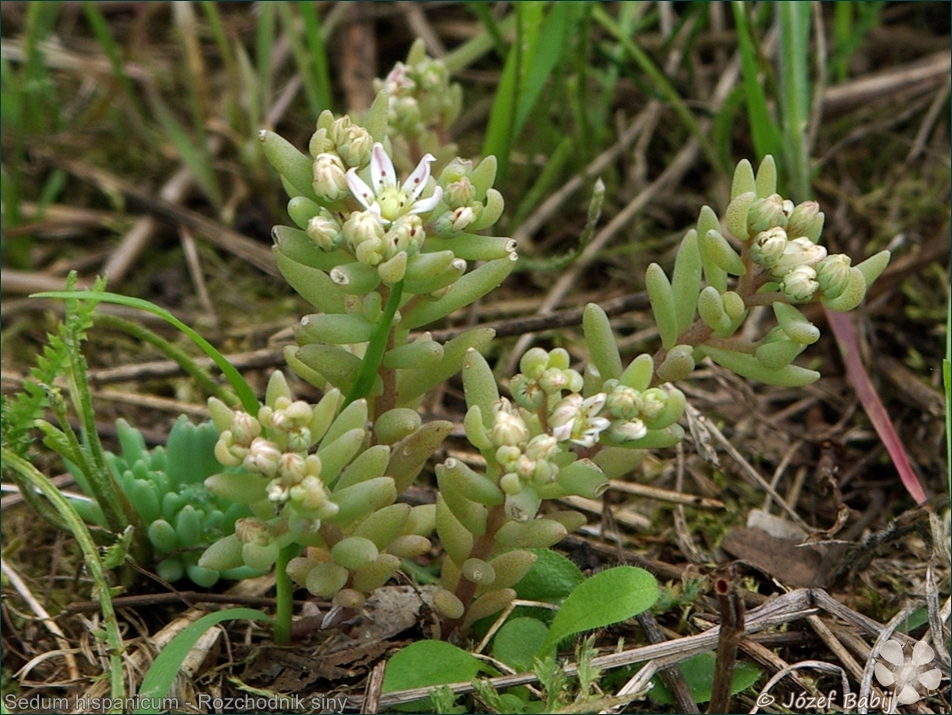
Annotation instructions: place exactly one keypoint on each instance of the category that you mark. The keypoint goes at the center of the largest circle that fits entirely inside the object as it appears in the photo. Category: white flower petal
(587, 440)
(382, 173)
(416, 182)
(922, 654)
(360, 190)
(595, 403)
(884, 675)
(908, 695)
(564, 431)
(930, 679)
(428, 204)
(892, 652)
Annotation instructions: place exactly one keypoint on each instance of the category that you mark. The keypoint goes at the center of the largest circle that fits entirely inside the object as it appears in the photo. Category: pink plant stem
(845, 334)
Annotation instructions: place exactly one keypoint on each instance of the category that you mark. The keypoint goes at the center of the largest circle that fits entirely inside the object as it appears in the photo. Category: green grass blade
(91, 559)
(100, 29)
(158, 680)
(144, 335)
(264, 45)
(471, 50)
(764, 130)
(320, 75)
(793, 19)
(194, 156)
(851, 22)
(499, 132)
(493, 33)
(247, 396)
(253, 96)
(221, 40)
(301, 57)
(653, 74)
(549, 46)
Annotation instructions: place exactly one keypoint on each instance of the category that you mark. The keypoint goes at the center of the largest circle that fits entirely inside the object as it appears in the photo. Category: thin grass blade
(247, 396)
(793, 20)
(764, 130)
(158, 680)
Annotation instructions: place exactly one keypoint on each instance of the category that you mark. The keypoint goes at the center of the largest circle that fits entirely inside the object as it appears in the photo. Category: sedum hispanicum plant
(387, 240)
(385, 243)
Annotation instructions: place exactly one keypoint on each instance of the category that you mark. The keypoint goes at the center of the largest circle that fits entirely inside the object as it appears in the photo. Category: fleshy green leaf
(663, 304)
(686, 280)
(600, 339)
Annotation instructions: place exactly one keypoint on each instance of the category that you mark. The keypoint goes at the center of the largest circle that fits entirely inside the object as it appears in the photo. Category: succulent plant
(166, 488)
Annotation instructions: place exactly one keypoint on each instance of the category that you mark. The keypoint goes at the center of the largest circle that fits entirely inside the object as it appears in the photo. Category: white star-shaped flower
(905, 674)
(387, 200)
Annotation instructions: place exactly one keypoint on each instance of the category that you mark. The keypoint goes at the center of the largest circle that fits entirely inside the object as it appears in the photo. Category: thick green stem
(364, 383)
(765, 299)
(747, 287)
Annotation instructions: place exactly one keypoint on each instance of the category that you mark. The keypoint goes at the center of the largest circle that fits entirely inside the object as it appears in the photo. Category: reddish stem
(482, 549)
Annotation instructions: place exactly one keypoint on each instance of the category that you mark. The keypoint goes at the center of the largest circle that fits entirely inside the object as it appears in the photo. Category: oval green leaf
(699, 675)
(518, 641)
(607, 597)
(551, 579)
(429, 663)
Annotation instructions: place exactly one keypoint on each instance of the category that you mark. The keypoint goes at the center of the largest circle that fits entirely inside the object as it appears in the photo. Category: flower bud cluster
(420, 95)
(301, 467)
(469, 201)
(784, 242)
(274, 445)
(368, 234)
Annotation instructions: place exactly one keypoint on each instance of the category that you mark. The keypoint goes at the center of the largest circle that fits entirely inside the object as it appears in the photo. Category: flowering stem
(747, 286)
(765, 299)
(364, 383)
(481, 550)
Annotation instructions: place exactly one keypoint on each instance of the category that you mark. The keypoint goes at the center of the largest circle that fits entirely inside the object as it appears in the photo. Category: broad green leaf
(165, 667)
(551, 579)
(430, 663)
(699, 674)
(518, 641)
(607, 597)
